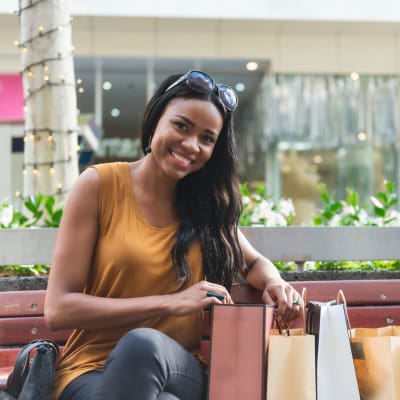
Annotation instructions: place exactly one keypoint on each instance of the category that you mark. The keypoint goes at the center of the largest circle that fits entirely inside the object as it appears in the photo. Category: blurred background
(318, 85)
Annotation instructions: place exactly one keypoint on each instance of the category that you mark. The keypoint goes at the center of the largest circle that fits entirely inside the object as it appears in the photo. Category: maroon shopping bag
(239, 340)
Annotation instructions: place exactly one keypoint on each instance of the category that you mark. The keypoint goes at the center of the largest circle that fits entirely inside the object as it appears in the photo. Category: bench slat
(16, 331)
(360, 292)
(22, 303)
(374, 317)
(368, 292)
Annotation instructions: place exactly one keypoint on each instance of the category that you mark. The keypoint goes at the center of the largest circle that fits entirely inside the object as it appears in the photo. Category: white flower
(348, 210)
(363, 217)
(275, 219)
(261, 210)
(6, 215)
(335, 221)
(286, 207)
(246, 200)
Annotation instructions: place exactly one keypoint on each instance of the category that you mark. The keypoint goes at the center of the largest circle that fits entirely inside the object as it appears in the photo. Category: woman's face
(185, 136)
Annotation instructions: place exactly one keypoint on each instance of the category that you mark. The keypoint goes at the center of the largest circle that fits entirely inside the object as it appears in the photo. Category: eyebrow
(188, 121)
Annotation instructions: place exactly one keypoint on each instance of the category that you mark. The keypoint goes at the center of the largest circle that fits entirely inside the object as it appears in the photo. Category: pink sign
(11, 98)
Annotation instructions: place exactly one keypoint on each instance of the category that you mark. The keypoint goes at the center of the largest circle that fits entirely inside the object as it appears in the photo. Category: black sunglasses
(203, 83)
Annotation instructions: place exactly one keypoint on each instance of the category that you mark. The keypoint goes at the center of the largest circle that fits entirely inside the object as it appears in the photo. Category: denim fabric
(145, 365)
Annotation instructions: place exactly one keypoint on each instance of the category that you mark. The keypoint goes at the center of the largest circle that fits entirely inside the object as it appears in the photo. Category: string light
(44, 163)
(41, 73)
(30, 5)
(50, 131)
(48, 83)
(43, 33)
(45, 61)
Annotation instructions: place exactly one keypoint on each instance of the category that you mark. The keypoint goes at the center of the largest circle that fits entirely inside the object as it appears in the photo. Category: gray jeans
(145, 365)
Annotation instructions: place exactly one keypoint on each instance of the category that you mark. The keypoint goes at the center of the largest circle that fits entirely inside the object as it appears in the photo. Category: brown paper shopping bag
(291, 364)
(239, 339)
(376, 356)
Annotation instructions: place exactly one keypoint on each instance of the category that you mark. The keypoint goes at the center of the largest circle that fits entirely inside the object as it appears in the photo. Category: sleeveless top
(132, 258)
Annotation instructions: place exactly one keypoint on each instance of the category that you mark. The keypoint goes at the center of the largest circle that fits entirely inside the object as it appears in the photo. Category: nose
(191, 144)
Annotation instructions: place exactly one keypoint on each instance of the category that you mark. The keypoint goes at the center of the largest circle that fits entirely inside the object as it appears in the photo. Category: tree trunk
(51, 138)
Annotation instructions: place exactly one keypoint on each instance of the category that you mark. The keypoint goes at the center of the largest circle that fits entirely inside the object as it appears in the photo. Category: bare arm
(264, 276)
(67, 307)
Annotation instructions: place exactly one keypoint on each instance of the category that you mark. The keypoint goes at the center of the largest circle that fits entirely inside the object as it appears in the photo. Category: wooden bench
(371, 303)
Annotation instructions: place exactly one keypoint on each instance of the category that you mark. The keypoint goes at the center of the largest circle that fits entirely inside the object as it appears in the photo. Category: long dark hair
(208, 201)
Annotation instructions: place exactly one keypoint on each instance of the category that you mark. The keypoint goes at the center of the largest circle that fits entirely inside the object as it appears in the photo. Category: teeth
(180, 158)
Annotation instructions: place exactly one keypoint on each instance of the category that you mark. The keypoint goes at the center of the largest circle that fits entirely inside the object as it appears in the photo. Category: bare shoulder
(84, 194)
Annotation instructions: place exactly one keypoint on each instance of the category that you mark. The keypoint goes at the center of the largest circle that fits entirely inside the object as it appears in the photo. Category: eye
(208, 139)
(181, 125)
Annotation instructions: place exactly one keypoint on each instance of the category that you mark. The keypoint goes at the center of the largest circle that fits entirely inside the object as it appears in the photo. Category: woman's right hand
(195, 298)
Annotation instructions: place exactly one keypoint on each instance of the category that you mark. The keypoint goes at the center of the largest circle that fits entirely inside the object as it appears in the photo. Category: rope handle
(285, 330)
(341, 299)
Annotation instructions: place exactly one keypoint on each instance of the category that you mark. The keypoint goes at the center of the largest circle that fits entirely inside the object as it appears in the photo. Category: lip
(178, 159)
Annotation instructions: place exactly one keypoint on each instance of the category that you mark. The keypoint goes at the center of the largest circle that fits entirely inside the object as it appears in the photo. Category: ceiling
(129, 77)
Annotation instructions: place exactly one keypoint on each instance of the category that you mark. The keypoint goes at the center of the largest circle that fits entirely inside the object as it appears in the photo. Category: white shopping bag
(335, 372)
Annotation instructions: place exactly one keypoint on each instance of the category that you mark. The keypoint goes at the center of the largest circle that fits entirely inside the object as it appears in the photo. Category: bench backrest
(35, 246)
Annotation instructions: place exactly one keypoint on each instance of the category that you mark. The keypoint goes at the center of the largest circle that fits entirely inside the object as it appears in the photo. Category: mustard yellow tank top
(132, 258)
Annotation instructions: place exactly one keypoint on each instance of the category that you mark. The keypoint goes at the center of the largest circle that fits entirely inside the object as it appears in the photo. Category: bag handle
(285, 331)
(341, 299)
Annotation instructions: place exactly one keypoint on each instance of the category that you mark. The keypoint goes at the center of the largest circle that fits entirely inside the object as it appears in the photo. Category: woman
(140, 245)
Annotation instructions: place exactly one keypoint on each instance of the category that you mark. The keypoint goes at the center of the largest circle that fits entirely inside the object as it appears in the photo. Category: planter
(23, 283)
(338, 275)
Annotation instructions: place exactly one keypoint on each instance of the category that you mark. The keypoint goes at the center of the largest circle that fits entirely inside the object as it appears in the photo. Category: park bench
(371, 303)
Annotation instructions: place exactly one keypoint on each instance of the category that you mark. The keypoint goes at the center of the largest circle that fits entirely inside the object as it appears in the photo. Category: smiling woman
(142, 244)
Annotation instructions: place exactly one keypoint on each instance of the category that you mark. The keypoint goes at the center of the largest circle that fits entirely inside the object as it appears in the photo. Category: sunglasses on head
(203, 83)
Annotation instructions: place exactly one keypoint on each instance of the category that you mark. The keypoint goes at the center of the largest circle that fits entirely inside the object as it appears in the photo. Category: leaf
(380, 212)
(30, 206)
(244, 189)
(56, 217)
(389, 186)
(382, 196)
(49, 204)
(39, 199)
(337, 206)
(352, 198)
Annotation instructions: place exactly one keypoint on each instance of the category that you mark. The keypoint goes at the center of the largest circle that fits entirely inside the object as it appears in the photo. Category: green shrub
(36, 211)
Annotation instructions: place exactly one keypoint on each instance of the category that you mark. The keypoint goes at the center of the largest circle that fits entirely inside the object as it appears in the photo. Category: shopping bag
(239, 340)
(291, 363)
(376, 356)
(335, 372)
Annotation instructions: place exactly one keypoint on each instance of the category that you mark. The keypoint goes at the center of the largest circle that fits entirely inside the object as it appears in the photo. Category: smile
(181, 159)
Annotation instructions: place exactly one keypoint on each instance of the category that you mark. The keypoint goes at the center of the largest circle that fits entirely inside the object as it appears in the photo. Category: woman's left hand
(287, 300)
